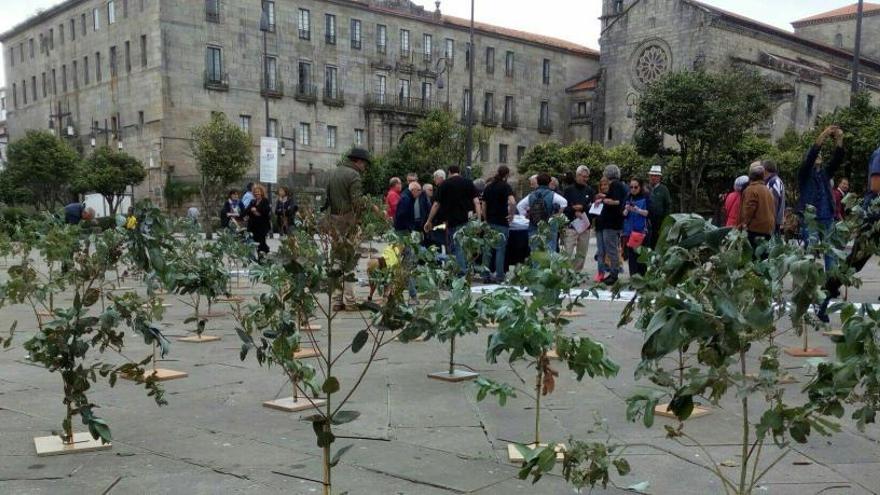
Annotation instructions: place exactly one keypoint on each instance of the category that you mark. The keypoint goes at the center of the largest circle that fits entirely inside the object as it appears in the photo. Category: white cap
(656, 170)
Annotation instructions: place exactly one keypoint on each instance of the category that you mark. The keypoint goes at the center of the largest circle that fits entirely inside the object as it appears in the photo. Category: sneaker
(610, 280)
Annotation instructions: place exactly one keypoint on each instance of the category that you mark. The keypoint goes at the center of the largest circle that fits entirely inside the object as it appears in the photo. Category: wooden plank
(82, 442)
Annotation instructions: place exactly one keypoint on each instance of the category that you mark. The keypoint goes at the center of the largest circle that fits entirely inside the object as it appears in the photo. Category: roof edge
(836, 18)
(37, 18)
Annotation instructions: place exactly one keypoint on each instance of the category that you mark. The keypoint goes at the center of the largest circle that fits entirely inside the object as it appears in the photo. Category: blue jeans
(454, 248)
(608, 245)
(499, 250)
(809, 237)
(552, 244)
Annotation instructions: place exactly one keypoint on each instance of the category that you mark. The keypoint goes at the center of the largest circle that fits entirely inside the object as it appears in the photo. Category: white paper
(596, 209)
(580, 225)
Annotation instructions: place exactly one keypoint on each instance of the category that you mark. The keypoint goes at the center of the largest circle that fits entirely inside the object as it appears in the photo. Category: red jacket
(837, 194)
(732, 204)
(391, 200)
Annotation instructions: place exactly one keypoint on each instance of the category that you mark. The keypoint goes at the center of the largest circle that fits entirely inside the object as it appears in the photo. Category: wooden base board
(120, 288)
(82, 442)
(163, 375)
(571, 314)
(490, 325)
(662, 411)
(287, 404)
(233, 299)
(785, 379)
(514, 456)
(801, 352)
(833, 333)
(306, 353)
(553, 355)
(199, 339)
(455, 377)
(311, 327)
(213, 314)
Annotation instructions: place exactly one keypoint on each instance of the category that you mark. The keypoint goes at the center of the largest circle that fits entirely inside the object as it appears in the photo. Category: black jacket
(404, 218)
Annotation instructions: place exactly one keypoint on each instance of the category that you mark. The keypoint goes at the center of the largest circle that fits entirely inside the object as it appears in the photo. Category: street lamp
(441, 82)
(92, 140)
(470, 110)
(119, 145)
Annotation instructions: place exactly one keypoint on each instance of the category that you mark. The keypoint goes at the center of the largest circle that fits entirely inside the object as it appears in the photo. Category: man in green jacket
(659, 206)
(345, 199)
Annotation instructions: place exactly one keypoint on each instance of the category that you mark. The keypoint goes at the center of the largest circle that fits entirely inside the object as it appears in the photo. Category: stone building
(4, 136)
(337, 73)
(643, 39)
(838, 28)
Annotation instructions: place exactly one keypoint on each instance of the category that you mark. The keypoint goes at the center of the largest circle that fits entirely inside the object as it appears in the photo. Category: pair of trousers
(454, 248)
(608, 246)
(812, 237)
(576, 246)
(550, 244)
(632, 259)
(499, 250)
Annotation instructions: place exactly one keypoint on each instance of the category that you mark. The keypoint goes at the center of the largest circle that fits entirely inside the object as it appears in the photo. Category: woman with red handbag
(635, 224)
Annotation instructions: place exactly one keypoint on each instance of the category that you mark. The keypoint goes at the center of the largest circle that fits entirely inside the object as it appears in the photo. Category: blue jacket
(634, 222)
(73, 213)
(404, 217)
(815, 184)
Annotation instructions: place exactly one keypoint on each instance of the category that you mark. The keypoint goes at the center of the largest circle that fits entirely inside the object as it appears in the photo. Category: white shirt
(523, 206)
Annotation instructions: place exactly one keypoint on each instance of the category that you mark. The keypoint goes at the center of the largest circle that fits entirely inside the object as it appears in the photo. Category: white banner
(269, 160)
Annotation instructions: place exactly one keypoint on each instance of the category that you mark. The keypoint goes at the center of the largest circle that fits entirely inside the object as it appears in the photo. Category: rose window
(651, 64)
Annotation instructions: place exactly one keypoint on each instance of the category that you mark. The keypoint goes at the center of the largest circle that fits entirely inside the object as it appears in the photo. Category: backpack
(540, 206)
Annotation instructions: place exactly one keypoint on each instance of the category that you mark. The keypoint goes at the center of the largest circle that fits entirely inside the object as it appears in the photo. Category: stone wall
(842, 34)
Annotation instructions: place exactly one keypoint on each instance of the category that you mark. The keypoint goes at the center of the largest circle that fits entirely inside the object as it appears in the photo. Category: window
(358, 137)
(811, 99)
(582, 109)
(271, 73)
(111, 12)
(214, 66)
(244, 123)
(267, 22)
(143, 50)
(21, 52)
(125, 9)
(355, 34)
(404, 43)
(113, 125)
(85, 70)
(838, 40)
(212, 10)
(74, 76)
(467, 55)
(15, 99)
(611, 133)
(96, 19)
(427, 89)
(484, 152)
(12, 56)
(64, 78)
(305, 24)
(466, 103)
(509, 109)
(142, 4)
(331, 137)
(31, 47)
(127, 56)
(618, 6)
(140, 112)
(24, 91)
(273, 128)
(51, 38)
(428, 47)
(545, 113)
(98, 67)
(490, 60)
(305, 134)
(113, 61)
(61, 33)
(43, 78)
(509, 63)
(546, 71)
(54, 83)
(305, 77)
(403, 89)
(520, 153)
(502, 153)
(381, 38)
(489, 107)
(449, 51)
(331, 87)
(83, 24)
(73, 30)
(381, 88)
(330, 29)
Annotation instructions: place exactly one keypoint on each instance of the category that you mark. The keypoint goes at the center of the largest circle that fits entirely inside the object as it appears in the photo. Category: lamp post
(470, 110)
(56, 118)
(106, 131)
(440, 82)
(264, 27)
(857, 55)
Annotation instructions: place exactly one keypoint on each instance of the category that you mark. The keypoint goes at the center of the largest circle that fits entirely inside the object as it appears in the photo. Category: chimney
(437, 14)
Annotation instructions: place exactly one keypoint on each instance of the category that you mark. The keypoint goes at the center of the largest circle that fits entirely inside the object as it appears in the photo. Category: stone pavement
(430, 437)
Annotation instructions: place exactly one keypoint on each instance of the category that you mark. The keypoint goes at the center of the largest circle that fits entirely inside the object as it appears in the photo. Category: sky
(573, 20)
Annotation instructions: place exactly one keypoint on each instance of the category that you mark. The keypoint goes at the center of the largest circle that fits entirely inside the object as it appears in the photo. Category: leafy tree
(109, 173)
(223, 155)
(555, 159)
(861, 125)
(178, 192)
(39, 171)
(707, 114)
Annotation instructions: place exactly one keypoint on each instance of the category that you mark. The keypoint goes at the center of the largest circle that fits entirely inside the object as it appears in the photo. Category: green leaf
(331, 385)
(338, 455)
(343, 417)
(101, 428)
(360, 339)
(622, 465)
(91, 297)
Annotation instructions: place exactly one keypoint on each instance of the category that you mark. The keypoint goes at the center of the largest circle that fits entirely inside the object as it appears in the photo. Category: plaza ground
(429, 437)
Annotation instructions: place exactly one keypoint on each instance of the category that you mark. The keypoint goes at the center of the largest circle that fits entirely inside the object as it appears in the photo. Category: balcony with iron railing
(356, 44)
(427, 57)
(306, 93)
(475, 118)
(330, 39)
(405, 55)
(490, 118)
(382, 48)
(580, 118)
(545, 126)
(402, 104)
(275, 88)
(305, 34)
(334, 97)
(510, 120)
(216, 81)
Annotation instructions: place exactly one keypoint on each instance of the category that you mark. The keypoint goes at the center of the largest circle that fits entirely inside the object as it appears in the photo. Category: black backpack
(540, 206)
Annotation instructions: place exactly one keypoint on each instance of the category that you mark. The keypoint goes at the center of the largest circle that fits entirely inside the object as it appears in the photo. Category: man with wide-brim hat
(345, 199)
(660, 204)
